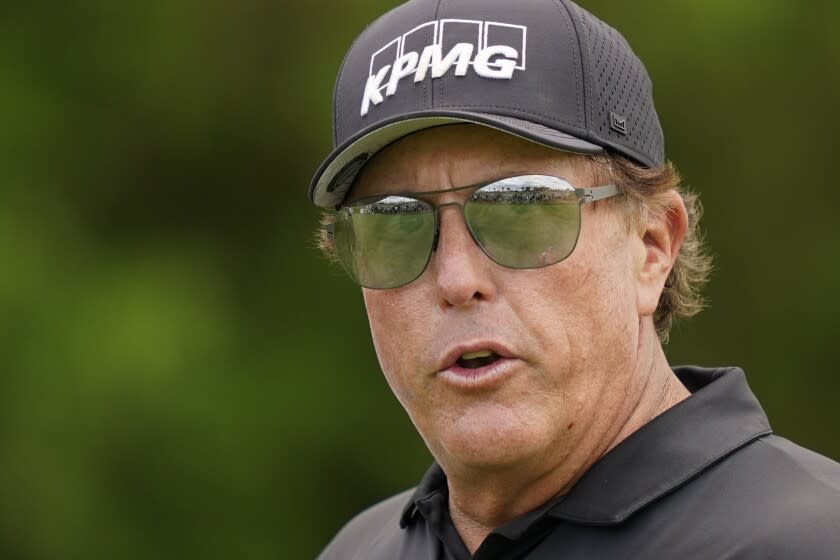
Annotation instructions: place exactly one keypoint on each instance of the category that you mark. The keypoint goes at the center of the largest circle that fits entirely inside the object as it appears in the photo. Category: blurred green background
(184, 377)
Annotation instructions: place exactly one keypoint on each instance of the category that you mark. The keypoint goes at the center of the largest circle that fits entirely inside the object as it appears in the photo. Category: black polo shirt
(705, 479)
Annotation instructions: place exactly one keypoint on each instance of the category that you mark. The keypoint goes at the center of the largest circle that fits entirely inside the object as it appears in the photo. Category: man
(501, 193)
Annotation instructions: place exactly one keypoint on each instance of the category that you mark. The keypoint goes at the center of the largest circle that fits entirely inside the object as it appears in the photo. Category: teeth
(475, 355)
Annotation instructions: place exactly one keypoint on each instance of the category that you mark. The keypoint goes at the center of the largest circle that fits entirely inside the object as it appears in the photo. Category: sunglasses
(530, 221)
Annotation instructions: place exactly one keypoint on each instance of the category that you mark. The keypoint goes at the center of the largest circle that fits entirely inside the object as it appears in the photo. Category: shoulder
(807, 483)
(799, 477)
(370, 530)
(781, 500)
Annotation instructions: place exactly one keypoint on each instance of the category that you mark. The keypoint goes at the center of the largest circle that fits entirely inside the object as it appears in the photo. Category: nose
(462, 273)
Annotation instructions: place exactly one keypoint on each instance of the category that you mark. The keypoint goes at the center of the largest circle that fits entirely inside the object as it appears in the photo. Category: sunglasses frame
(585, 195)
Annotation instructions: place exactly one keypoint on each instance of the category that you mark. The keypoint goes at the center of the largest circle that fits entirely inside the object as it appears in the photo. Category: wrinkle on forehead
(458, 155)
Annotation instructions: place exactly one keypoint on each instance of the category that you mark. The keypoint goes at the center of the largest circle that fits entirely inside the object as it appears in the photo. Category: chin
(490, 437)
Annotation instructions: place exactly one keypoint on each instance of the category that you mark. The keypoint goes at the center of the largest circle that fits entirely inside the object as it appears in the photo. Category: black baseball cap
(544, 70)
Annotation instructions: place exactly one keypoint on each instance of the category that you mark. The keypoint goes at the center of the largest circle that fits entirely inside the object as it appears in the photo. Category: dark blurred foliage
(184, 377)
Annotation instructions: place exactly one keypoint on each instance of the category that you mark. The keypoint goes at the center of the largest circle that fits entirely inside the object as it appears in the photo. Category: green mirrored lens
(385, 243)
(529, 222)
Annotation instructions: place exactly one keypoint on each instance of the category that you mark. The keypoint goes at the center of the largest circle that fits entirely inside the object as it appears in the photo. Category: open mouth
(476, 360)
(479, 369)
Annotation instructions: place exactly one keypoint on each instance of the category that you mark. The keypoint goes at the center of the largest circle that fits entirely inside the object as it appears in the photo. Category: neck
(480, 502)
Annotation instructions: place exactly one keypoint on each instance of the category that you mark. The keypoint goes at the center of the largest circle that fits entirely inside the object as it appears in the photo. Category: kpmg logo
(493, 50)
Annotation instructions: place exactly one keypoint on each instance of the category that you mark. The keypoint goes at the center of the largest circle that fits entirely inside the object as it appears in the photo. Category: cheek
(610, 293)
(397, 331)
(384, 319)
(586, 300)
(608, 256)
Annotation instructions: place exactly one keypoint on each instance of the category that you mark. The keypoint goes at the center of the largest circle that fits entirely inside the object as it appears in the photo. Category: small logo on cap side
(495, 50)
(618, 123)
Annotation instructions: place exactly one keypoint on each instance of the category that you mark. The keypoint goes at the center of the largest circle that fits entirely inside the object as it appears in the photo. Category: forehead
(457, 155)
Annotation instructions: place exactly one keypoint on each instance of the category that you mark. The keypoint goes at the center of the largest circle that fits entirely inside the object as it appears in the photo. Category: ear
(662, 235)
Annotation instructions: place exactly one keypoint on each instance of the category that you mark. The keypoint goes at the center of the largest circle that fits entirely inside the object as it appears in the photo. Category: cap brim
(335, 176)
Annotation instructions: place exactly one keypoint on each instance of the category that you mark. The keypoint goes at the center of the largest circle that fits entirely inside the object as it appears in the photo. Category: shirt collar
(721, 416)
(432, 483)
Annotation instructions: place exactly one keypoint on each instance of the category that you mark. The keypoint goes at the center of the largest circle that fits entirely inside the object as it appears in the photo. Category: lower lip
(479, 378)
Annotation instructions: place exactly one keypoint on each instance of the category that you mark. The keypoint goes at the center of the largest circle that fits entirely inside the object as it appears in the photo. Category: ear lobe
(662, 236)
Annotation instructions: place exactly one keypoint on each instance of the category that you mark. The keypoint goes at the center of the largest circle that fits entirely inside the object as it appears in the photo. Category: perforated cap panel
(621, 113)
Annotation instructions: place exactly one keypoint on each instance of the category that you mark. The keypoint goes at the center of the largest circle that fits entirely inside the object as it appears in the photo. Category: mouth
(481, 365)
(477, 360)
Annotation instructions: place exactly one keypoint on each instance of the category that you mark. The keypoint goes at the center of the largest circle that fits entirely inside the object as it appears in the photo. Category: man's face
(569, 331)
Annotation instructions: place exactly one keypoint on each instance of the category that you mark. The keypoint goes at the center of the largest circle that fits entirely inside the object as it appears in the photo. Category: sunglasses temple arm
(598, 193)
